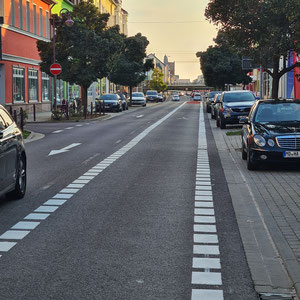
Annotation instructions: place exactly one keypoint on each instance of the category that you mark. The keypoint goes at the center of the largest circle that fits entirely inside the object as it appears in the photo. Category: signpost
(55, 69)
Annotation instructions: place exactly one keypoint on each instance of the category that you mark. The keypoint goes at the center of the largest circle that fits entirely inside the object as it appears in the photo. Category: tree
(83, 50)
(262, 30)
(130, 66)
(221, 65)
(156, 82)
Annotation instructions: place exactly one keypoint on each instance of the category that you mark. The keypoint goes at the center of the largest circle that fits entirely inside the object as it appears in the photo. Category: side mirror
(244, 120)
(257, 98)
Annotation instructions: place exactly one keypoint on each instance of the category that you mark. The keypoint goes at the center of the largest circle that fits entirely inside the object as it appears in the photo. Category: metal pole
(261, 83)
(54, 83)
(34, 113)
(21, 119)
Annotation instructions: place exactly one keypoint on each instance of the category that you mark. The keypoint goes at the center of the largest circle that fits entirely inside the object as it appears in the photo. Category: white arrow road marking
(65, 149)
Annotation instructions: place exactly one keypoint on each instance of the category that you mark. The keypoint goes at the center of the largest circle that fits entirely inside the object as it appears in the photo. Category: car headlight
(259, 140)
(271, 143)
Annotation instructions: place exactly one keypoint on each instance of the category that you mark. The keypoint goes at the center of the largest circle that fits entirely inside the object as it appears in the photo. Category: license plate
(291, 154)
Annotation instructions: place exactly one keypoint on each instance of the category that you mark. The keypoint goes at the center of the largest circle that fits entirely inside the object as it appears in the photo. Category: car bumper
(233, 119)
(139, 102)
(275, 155)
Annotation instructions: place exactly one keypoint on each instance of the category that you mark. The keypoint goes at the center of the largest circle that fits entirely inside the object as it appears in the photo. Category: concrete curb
(34, 136)
(273, 265)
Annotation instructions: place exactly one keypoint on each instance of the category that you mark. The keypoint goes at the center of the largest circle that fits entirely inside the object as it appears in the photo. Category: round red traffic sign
(55, 69)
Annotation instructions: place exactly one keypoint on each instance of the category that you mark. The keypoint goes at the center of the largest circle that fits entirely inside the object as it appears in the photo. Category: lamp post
(69, 22)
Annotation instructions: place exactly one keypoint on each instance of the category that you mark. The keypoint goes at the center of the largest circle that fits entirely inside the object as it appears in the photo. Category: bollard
(10, 110)
(91, 109)
(15, 117)
(34, 113)
(103, 107)
(85, 111)
(21, 119)
(67, 111)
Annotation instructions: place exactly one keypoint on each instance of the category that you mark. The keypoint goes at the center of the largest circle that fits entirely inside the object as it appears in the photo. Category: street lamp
(69, 23)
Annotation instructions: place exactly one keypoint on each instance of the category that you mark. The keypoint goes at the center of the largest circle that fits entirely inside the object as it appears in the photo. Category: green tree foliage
(221, 65)
(156, 82)
(129, 66)
(264, 30)
(84, 49)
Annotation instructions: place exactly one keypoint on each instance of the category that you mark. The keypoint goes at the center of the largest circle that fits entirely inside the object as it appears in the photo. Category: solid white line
(54, 202)
(206, 278)
(48, 209)
(204, 219)
(6, 246)
(205, 238)
(34, 216)
(25, 225)
(207, 294)
(206, 249)
(204, 211)
(206, 263)
(14, 235)
(205, 228)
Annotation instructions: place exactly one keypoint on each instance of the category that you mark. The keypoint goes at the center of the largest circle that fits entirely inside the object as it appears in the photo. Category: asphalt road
(127, 231)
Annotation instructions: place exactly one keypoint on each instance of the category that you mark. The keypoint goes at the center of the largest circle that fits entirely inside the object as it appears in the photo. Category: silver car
(138, 98)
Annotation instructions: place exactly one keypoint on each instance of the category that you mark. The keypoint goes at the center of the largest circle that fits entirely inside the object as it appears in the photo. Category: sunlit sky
(176, 28)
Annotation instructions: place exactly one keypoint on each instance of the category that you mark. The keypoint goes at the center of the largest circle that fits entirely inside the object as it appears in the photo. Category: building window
(47, 25)
(12, 16)
(41, 22)
(28, 16)
(34, 19)
(21, 14)
(45, 87)
(33, 83)
(18, 84)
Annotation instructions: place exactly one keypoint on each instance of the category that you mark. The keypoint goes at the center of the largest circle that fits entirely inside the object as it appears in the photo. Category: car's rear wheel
(20, 186)
(244, 153)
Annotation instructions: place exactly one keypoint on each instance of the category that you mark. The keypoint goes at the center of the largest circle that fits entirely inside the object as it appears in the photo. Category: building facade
(23, 23)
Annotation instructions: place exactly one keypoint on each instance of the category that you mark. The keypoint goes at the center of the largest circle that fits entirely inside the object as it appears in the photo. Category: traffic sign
(55, 69)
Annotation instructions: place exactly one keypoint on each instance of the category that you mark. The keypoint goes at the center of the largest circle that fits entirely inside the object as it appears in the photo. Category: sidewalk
(40, 117)
(267, 207)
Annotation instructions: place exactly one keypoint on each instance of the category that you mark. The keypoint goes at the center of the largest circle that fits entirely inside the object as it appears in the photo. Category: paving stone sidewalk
(267, 206)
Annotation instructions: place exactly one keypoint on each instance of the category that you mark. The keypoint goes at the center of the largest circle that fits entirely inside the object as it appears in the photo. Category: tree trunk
(130, 93)
(276, 77)
(84, 92)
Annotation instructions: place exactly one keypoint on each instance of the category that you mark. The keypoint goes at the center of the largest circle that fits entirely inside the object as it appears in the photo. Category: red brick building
(22, 23)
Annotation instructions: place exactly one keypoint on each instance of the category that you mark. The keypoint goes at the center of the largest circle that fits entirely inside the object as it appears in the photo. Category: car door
(9, 148)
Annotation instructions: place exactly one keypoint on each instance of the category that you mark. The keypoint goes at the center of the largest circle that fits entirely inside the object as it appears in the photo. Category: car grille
(288, 142)
(247, 109)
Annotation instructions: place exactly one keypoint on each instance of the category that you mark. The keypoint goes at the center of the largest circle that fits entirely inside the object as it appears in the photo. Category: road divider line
(50, 206)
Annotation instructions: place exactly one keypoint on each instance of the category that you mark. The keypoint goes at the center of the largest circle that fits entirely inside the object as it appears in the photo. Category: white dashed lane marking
(44, 211)
(205, 248)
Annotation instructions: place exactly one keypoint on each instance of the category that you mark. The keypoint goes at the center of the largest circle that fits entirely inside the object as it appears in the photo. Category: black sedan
(12, 158)
(112, 102)
(271, 133)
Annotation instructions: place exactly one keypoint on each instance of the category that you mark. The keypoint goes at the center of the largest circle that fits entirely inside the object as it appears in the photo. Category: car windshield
(212, 94)
(109, 97)
(137, 95)
(238, 97)
(151, 93)
(277, 112)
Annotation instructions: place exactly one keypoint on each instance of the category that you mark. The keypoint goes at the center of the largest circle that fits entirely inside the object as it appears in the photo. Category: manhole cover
(269, 296)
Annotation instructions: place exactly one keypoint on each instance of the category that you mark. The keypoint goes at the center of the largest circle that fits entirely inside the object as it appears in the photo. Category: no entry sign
(55, 69)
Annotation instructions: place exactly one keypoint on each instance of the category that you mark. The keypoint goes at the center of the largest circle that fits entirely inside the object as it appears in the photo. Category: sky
(176, 28)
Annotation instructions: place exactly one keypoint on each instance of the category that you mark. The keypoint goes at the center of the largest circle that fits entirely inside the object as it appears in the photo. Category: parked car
(12, 158)
(124, 101)
(213, 110)
(197, 97)
(232, 106)
(160, 97)
(112, 102)
(271, 133)
(209, 99)
(152, 96)
(175, 97)
(138, 98)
